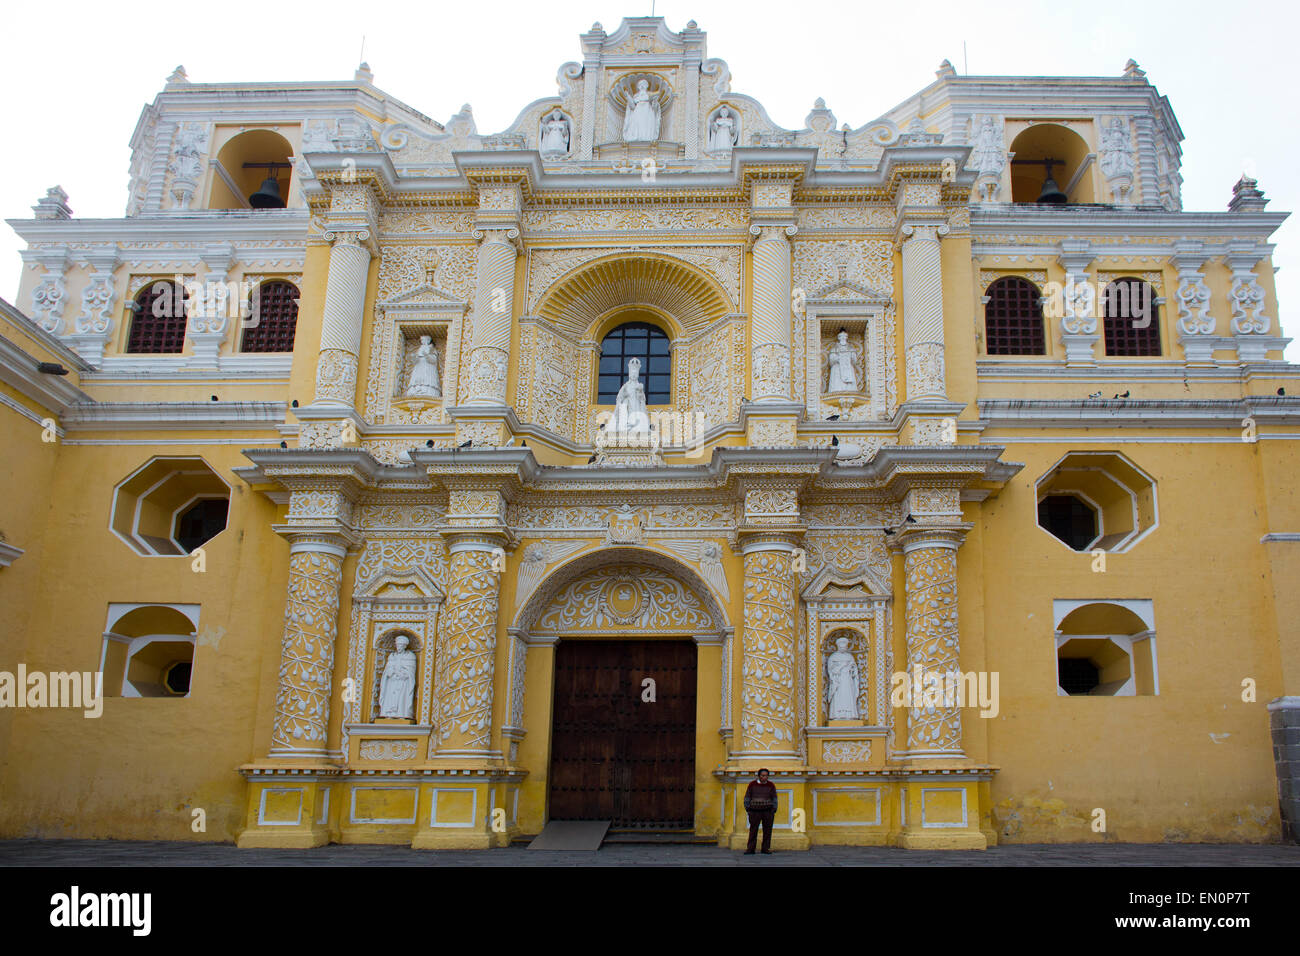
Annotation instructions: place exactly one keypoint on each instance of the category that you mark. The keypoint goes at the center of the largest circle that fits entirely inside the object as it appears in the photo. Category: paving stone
(108, 853)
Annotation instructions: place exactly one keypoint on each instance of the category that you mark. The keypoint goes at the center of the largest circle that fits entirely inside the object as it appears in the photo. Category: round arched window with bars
(274, 318)
(1013, 318)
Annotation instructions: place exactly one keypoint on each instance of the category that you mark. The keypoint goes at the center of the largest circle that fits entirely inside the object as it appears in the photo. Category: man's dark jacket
(760, 797)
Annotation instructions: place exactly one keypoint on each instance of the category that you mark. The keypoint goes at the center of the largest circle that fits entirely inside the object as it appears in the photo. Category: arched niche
(1073, 174)
(232, 183)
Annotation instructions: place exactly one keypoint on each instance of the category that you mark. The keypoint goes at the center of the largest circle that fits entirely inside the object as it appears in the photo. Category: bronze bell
(268, 195)
(1051, 194)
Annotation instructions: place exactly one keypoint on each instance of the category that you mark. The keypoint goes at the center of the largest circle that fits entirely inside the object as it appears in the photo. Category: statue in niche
(841, 683)
(425, 378)
(629, 410)
(989, 157)
(722, 131)
(397, 685)
(842, 364)
(555, 135)
(641, 121)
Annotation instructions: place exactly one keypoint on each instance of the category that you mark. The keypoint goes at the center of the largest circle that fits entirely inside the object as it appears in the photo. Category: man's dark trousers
(764, 817)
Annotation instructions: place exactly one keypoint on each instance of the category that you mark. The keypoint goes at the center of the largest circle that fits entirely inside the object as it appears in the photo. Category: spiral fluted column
(770, 314)
(494, 298)
(343, 313)
(923, 311)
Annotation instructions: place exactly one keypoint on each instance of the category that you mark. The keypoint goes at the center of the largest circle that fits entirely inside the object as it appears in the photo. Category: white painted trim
(9, 554)
(818, 791)
(352, 812)
(433, 808)
(965, 812)
(1144, 608)
(117, 611)
(324, 806)
(1273, 536)
(261, 807)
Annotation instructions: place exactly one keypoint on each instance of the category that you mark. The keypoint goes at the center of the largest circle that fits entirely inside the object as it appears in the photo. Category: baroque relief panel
(626, 597)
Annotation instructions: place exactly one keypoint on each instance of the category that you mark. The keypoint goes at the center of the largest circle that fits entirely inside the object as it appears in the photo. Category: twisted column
(467, 638)
(767, 714)
(770, 315)
(923, 311)
(345, 301)
(311, 613)
(933, 643)
(493, 313)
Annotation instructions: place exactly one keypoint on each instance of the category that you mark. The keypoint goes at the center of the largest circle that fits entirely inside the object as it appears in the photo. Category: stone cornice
(18, 369)
(1139, 413)
(1071, 221)
(204, 416)
(242, 227)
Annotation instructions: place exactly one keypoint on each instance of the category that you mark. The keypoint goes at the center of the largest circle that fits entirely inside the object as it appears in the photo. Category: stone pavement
(80, 853)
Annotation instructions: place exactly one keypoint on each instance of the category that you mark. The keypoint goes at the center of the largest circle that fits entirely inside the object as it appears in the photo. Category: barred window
(1130, 318)
(158, 319)
(639, 340)
(274, 319)
(1013, 318)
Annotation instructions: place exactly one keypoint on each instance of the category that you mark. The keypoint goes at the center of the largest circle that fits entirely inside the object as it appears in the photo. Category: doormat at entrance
(571, 835)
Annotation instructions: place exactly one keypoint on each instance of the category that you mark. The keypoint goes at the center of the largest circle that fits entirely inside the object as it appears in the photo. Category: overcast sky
(78, 74)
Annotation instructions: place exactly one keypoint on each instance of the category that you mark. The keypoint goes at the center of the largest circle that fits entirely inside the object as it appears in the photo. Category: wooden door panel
(615, 756)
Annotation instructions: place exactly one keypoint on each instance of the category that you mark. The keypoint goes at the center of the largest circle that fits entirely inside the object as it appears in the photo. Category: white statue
(397, 685)
(629, 410)
(425, 379)
(842, 361)
(841, 683)
(722, 132)
(989, 156)
(555, 135)
(1116, 150)
(641, 122)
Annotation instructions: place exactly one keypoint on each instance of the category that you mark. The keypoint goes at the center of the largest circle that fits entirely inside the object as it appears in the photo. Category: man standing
(760, 803)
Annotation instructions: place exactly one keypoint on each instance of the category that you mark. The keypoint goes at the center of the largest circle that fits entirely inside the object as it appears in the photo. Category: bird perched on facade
(523, 443)
(835, 441)
(591, 460)
(832, 418)
(466, 443)
(284, 444)
(429, 443)
(1095, 395)
(1281, 391)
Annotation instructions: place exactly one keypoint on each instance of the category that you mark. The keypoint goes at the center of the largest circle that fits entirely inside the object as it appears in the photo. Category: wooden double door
(616, 755)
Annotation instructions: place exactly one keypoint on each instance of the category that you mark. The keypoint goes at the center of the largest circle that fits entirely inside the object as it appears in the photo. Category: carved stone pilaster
(209, 306)
(933, 643)
(1195, 324)
(302, 700)
(94, 323)
(493, 315)
(50, 297)
(767, 697)
(1246, 296)
(770, 326)
(340, 336)
(466, 652)
(1079, 306)
(923, 309)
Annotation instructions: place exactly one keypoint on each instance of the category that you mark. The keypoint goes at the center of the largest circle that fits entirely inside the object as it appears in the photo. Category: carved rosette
(311, 613)
(933, 645)
(336, 376)
(767, 716)
(467, 650)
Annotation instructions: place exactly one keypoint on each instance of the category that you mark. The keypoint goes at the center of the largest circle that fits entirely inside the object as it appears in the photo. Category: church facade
(401, 483)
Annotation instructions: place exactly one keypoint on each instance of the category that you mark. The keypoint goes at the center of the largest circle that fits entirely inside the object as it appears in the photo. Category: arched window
(1013, 318)
(636, 340)
(158, 319)
(274, 318)
(1131, 318)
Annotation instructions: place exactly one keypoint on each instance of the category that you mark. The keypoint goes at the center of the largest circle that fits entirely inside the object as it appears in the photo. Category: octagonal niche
(170, 506)
(1105, 648)
(1096, 500)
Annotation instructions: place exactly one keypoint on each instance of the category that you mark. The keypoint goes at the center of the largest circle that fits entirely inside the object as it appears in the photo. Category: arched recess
(836, 601)
(706, 620)
(578, 301)
(1106, 648)
(558, 376)
(400, 597)
(1073, 172)
(233, 183)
